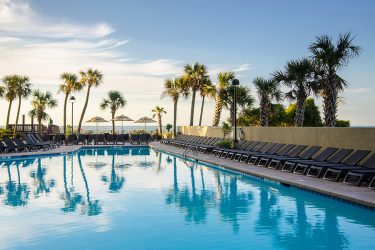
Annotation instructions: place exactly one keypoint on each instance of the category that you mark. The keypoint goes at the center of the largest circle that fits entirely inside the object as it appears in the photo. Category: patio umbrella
(145, 120)
(122, 119)
(97, 119)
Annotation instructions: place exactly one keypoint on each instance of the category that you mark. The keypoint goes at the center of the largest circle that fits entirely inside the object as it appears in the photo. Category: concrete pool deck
(358, 195)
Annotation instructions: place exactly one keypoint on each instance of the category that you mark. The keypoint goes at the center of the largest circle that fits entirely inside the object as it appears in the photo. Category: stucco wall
(357, 138)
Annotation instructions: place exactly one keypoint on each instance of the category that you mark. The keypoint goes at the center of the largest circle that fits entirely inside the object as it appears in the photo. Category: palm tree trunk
(218, 109)
(160, 126)
(300, 113)
(263, 114)
(40, 125)
(65, 102)
(18, 114)
(174, 117)
(192, 108)
(330, 105)
(200, 117)
(113, 123)
(8, 115)
(84, 109)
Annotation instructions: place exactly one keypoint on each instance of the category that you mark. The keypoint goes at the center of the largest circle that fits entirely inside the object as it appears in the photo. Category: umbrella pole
(145, 127)
(96, 128)
(122, 127)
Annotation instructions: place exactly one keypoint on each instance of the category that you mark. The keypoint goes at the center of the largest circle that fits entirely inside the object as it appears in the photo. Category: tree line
(316, 75)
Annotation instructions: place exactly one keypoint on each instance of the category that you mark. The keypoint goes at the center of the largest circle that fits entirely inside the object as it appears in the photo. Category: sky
(138, 44)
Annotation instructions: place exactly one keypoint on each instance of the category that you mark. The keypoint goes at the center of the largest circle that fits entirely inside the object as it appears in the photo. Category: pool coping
(359, 196)
(62, 150)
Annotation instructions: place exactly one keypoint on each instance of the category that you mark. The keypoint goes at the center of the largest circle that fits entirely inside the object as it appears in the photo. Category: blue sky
(138, 44)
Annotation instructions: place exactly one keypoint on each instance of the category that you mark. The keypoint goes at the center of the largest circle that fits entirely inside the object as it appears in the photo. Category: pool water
(138, 198)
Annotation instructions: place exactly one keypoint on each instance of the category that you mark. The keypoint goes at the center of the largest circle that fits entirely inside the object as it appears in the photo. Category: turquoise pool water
(121, 198)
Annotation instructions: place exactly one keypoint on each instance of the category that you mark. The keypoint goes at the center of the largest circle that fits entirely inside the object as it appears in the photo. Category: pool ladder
(192, 149)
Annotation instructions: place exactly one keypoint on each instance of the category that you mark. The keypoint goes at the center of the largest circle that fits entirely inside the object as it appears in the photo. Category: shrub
(226, 143)
(342, 123)
(5, 133)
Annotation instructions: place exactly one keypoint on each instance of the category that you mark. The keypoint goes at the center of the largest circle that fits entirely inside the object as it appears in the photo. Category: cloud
(242, 67)
(18, 18)
(357, 90)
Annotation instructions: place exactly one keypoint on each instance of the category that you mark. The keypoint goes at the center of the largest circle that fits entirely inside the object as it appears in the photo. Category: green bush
(5, 133)
(343, 123)
(226, 143)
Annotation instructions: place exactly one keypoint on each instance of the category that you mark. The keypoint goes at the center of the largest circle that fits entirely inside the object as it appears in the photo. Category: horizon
(137, 45)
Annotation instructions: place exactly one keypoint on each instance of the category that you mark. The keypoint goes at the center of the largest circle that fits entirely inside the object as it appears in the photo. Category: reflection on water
(133, 192)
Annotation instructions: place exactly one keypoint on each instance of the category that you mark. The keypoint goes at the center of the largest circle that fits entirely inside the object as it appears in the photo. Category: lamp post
(235, 83)
(72, 100)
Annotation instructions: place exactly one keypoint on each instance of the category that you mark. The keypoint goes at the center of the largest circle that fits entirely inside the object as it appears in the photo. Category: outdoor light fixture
(235, 83)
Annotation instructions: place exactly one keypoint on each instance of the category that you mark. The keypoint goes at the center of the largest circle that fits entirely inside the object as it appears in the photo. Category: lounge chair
(72, 139)
(263, 159)
(237, 154)
(100, 139)
(39, 138)
(39, 145)
(81, 139)
(111, 139)
(6, 149)
(223, 152)
(355, 174)
(11, 144)
(317, 170)
(297, 153)
(264, 150)
(20, 143)
(91, 139)
(58, 139)
(210, 146)
(289, 165)
(134, 138)
(120, 139)
(304, 167)
(372, 183)
(255, 157)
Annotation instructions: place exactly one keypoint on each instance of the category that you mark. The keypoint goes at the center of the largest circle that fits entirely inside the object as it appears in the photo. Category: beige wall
(357, 138)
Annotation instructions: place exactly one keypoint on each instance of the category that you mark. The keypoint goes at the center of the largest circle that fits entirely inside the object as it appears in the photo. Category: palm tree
(268, 90)
(40, 102)
(158, 112)
(299, 76)
(91, 78)
(10, 93)
(23, 89)
(196, 75)
(244, 99)
(114, 101)
(70, 85)
(174, 88)
(207, 90)
(330, 58)
(224, 78)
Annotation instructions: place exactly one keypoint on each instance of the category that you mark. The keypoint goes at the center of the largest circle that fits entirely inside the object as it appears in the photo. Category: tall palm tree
(299, 76)
(244, 99)
(196, 75)
(223, 82)
(207, 90)
(158, 112)
(9, 93)
(114, 102)
(91, 78)
(329, 58)
(40, 102)
(70, 85)
(268, 90)
(174, 88)
(23, 89)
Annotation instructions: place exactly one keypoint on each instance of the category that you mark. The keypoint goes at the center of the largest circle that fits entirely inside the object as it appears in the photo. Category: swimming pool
(138, 198)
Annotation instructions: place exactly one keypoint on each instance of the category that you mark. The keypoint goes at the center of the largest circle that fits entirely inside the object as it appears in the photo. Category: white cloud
(357, 90)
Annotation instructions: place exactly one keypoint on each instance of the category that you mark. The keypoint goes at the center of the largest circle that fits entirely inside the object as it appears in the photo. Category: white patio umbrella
(96, 120)
(145, 120)
(122, 119)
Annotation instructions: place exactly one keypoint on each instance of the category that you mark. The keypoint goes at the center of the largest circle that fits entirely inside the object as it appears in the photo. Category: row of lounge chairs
(353, 167)
(29, 142)
(108, 139)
